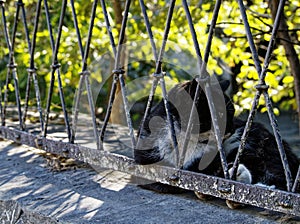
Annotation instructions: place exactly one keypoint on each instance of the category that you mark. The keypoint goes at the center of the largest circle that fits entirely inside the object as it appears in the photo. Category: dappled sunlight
(108, 180)
(45, 188)
(27, 154)
(32, 158)
(21, 195)
(56, 194)
(90, 205)
(20, 181)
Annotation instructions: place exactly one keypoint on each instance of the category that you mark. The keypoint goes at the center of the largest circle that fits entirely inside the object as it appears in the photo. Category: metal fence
(277, 200)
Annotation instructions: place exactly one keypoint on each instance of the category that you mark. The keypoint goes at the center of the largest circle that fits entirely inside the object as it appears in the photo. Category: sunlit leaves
(288, 79)
(230, 45)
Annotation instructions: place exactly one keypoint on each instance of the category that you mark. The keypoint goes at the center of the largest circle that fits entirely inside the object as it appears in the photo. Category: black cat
(260, 162)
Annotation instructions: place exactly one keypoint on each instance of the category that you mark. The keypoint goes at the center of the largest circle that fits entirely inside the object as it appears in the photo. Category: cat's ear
(224, 84)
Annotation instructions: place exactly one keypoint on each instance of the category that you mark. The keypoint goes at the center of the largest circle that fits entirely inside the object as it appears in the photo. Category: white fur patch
(243, 174)
(195, 148)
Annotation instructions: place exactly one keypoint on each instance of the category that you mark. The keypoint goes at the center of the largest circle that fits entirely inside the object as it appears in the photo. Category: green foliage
(230, 47)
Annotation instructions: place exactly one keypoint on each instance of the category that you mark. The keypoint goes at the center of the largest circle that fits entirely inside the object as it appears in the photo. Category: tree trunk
(290, 52)
(118, 113)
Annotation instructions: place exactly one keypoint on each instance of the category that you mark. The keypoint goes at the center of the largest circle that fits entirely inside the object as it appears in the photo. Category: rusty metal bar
(245, 133)
(262, 89)
(115, 76)
(159, 75)
(11, 66)
(263, 73)
(267, 198)
(80, 83)
(257, 95)
(32, 75)
(148, 27)
(3, 108)
(197, 93)
(118, 75)
(249, 36)
(29, 77)
(109, 29)
(155, 80)
(84, 75)
(274, 125)
(118, 66)
(77, 28)
(51, 86)
(55, 68)
(109, 108)
(297, 180)
(204, 82)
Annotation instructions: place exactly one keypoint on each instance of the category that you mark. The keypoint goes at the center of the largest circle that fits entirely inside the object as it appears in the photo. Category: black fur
(260, 157)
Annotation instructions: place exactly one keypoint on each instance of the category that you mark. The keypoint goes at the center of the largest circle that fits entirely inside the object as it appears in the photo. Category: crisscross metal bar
(109, 29)
(159, 75)
(115, 77)
(55, 69)
(3, 108)
(262, 89)
(32, 74)
(84, 75)
(274, 124)
(257, 95)
(77, 28)
(118, 75)
(155, 80)
(121, 74)
(148, 27)
(297, 180)
(11, 66)
(203, 79)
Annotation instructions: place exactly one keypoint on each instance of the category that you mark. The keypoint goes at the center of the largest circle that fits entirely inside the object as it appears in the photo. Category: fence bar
(155, 80)
(262, 89)
(47, 111)
(118, 66)
(119, 75)
(245, 133)
(80, 83)
(55, 68)
(257, 95)
(160, 76)
(297, 180)
(204, 81)
(276, 131)
(109, 108)
(84, 75)
(77, 28)
(32, 70)
(115, 77)
(148, 27)
(267, 198)
(274, 125)
(109, 29)
(11, 66)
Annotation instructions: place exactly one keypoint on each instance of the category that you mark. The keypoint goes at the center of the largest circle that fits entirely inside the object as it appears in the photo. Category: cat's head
(182, 96)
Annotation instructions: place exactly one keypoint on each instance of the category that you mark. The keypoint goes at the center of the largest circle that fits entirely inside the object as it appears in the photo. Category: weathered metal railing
(283, 201)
